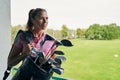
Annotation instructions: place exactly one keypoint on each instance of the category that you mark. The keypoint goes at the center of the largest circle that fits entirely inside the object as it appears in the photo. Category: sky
(72, 13)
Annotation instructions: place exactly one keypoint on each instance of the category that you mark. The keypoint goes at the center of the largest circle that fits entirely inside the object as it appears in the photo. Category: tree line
(103, 32)
(94, 32)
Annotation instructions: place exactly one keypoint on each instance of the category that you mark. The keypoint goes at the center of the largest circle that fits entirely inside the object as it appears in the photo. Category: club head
(59, 52)
(39, 54)
(58, 60)
(62, 58)
(66, 42)
(51, 61)
(57, 63)
(58, 70)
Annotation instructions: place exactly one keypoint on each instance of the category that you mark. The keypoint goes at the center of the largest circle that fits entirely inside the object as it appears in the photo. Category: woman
(37, 24)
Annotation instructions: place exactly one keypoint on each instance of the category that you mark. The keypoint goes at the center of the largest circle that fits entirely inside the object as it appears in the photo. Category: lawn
(92, 60)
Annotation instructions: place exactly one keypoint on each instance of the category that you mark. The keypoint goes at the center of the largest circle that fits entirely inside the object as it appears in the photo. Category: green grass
(92, 60)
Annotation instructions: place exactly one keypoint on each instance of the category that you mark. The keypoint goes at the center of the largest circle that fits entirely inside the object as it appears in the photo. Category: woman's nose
(44, 20)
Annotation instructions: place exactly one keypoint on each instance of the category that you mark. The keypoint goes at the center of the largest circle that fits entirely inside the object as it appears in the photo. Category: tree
(80, 33)
(64, 31)
(103, 32)
(93, 32)
(50, 31)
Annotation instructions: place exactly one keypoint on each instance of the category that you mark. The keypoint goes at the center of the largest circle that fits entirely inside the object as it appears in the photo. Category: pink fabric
(48, 46)
(48, 55)
(47, 49)
(36, 44)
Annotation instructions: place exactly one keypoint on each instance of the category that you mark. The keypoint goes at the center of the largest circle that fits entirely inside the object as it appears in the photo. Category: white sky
(73, 13)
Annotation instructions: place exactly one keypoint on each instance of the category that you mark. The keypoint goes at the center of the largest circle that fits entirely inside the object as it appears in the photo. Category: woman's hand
(27, 47)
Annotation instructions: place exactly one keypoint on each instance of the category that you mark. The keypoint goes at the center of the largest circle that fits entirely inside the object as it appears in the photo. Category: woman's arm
(15, 56)
(20, 49)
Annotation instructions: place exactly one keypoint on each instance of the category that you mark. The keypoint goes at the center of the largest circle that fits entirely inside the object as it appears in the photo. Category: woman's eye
(42, 18)
(46, 17)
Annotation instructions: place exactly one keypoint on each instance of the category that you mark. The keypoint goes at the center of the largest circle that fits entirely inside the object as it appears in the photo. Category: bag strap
(26, 36)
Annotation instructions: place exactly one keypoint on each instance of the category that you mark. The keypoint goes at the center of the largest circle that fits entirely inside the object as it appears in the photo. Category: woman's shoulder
(26, 36)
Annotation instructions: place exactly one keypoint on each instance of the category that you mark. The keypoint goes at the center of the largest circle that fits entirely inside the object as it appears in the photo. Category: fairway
(92, 60)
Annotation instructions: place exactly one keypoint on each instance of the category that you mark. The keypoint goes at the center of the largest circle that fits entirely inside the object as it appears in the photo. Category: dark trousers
(28, 69)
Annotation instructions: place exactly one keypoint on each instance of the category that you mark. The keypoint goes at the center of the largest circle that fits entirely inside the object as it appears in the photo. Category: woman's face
(41, 21)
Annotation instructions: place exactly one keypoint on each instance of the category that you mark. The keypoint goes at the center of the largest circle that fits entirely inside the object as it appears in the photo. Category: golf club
(57, 70)
(66, 42)
(62, 58)
(59, 52)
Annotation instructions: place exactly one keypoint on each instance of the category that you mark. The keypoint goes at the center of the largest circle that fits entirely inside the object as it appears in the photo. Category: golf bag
(49, 63)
